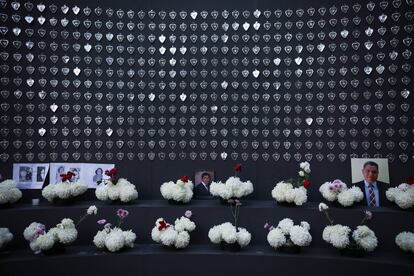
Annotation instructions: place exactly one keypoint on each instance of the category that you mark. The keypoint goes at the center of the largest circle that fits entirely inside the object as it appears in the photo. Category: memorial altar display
(206, 137)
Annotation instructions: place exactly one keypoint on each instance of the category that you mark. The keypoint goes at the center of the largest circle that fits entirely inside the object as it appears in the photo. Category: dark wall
(149, 174)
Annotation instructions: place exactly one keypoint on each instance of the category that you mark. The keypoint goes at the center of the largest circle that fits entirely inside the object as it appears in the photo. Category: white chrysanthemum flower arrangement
(233, 188)
(405, 241)
(65, 189)
(294, 190)
(63, 234)
(177, 235)
(116, 189)
(5, 237)
(287, 236)
(9, 193)
(337, 190)
(179, 192)
(356, 242)
(402, 195)
(114, 238)
(230, 236)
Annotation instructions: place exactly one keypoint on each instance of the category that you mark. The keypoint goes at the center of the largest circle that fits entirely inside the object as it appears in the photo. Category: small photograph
(25, 174)
(98, 176)
(202, 181)
(77, 172)
(372, 177)
(94, 174)
(41, 174)
(60, 170)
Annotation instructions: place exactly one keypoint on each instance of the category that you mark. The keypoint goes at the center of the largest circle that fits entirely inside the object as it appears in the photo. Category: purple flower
(102, 221)
(107, 226)
(266, 225)
(271, 228)
(188, 214)
(122, 213)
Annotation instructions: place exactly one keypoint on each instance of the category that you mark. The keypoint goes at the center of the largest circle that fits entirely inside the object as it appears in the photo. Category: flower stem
(82, 218)
(331, 221)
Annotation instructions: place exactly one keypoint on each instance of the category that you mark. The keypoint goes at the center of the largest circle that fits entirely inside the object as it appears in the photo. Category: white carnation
(184, 224)
(327, 193)
(404, 240)
(403, 195)
(92, 210)
(365, 238)
(129, 238)
(123, 190)
(100, 238)
(305, 225)
(214, 234)
(9, 193)
(300, 236)
(300, 196)
(232, 188)
(5, 237)
(322, 207)
(174, 235)
(64, 190)
(285, 225)
(226, 232)
(337, 235)
(182, 240)
(168, 236)
(276, 238)
(243, 237)
(284, 192)
(114, 239)
(179, 191)
(279, 191)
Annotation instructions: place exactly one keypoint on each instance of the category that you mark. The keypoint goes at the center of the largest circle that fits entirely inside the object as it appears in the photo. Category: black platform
(203, 257)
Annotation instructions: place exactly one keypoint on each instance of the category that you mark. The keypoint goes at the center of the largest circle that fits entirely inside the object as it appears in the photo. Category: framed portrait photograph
(202, 181)
(372, 176)
(30, 175)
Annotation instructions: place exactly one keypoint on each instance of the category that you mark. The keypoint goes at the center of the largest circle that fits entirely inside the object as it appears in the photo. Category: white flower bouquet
(65, 189)
(337, 190)
(361, 240)
(294, 190)
(5, 237)
(179, 192)
(289, 237)
(233, 188)
(176, 235)
(402, 195)
(405, 241)
(116, 189)
(9, 193)
(114, 238)
(57, 237)
(230, 236)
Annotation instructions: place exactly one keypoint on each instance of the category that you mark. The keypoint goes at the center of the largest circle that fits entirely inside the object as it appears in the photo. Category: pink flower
(102, 221)
(122, 213)
(188, 214)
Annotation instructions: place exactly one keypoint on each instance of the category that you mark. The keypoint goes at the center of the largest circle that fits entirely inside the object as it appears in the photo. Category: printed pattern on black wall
(316, 83)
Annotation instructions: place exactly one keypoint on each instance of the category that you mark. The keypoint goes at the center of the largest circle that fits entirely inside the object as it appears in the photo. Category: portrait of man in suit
(202, 181)
(373, 189)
